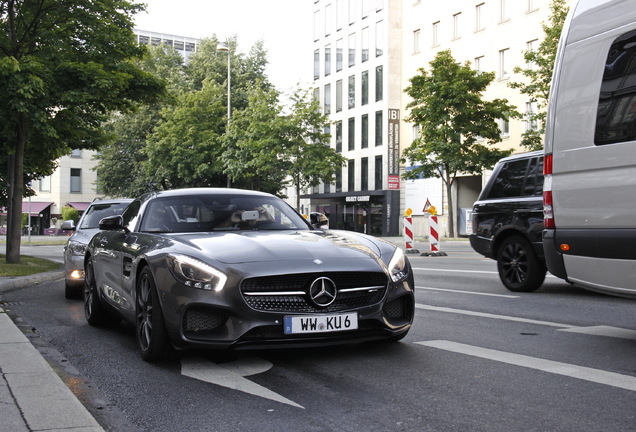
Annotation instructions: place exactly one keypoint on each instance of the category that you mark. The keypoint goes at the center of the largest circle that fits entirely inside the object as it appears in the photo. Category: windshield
(205, 213)
(97, 212)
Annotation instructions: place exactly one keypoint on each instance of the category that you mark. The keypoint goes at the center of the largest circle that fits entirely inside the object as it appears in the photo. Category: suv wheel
(520, 269)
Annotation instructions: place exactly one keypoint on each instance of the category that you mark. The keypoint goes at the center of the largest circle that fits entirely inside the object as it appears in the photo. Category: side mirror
(112, 223)
(68, 225)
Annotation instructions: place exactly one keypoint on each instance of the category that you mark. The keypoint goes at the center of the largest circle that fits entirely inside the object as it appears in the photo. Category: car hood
(84, 235)
(263, 246)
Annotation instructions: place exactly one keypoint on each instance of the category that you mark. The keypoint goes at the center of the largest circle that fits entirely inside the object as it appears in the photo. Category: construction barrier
(408, 235)
(433, 237)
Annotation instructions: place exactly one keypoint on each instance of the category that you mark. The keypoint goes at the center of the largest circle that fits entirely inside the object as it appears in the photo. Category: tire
(93, 309)
(73, 291)
(520, 270)
(152, 337)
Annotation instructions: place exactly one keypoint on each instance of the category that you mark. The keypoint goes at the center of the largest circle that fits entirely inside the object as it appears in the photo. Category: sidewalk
(32, 396)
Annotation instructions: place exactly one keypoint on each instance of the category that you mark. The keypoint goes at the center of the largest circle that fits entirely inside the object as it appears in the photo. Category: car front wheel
(520, 269)
(93, 309)
(150, 328)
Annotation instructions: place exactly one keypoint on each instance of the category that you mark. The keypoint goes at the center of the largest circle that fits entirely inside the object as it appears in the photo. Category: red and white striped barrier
(434, 233)
(408, 235)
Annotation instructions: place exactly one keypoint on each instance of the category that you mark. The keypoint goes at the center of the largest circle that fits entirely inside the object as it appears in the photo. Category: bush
(70, 213)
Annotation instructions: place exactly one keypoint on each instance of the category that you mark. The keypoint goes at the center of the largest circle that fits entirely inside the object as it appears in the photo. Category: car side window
(616, 115)
(510, 180)
(131, 214)
(534, 181)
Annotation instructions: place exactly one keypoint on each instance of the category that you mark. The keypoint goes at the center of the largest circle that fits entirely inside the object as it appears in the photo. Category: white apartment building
(353, 39)
(358, 78)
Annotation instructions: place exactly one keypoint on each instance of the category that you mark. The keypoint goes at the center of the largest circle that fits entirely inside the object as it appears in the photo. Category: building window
(503, 12)
(378, 128)
(338, 95)
(531, 121)
(352, 91)
(503, 64)
(339, 14)
(478, 64)
(351, 134)
(365, 88)
(327, 98)
(435, 34)
(316, 25)
(456, 26)
(415, 132)
(531, 46)
(316, 64)
(352, 11)
(45, 184)
(339, 53)
(379, 38)
(364, 131)
(479, 24)
(76, 180)
(504, 127)
(352, 49)
(76, 153)
(364, 174)
(532, 7)
(365, 44)
(379, 84)
(416, 41)
(339, 181)
(378, 173)
(351, 181)
(328, 60)
(328, 20)
(339, 137)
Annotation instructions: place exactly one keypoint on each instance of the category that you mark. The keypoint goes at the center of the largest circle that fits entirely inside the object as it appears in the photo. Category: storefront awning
(36, 207)
(79, 206)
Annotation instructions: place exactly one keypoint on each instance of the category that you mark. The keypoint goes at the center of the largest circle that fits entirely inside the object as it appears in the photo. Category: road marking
(608, 331)
(580, 372)
(231, 375)
(602, 330)
(489, 315)
(455, 271)
(467, 292)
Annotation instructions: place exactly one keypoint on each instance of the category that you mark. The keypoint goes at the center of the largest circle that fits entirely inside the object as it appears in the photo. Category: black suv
(508, 221)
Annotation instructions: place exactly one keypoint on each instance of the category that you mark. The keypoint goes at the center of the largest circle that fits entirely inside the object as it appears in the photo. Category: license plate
(321, 323)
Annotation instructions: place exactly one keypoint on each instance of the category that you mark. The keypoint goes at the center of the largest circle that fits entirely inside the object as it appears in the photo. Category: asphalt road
(479, 358)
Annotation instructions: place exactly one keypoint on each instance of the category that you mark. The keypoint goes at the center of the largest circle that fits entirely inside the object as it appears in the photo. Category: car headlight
(194, 273)
(77, 248)
(398, 266)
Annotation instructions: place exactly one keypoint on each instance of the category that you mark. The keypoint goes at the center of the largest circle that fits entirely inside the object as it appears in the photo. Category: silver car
(75, 247)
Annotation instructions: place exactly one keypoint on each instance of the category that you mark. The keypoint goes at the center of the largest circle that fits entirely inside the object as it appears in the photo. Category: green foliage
(538, 74)
(64, 66)
(70, 213)
(457, 127)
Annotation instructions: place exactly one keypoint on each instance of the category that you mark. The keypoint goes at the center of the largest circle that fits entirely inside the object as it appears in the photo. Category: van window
(616, 116)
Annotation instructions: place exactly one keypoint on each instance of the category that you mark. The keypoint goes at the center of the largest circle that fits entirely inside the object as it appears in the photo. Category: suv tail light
(548, 211)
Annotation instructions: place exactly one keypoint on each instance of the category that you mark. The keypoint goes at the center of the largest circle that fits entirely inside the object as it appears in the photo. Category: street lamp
(225, 48)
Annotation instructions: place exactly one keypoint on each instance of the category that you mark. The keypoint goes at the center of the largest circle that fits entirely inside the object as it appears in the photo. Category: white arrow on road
(231, 375)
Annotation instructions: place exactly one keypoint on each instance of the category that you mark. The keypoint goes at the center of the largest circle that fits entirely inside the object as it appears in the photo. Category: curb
(11, 283)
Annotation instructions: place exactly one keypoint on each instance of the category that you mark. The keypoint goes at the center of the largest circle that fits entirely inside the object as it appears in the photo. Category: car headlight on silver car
(76, 248)
(398, 266)
(195, 273)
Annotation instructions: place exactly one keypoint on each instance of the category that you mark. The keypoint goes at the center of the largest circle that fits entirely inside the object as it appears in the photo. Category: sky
(285, 26)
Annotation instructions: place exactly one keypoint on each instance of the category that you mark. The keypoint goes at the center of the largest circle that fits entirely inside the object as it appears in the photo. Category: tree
(540, 64)
(457, 127)
(122, 168)
(64, 64)
(270, 150)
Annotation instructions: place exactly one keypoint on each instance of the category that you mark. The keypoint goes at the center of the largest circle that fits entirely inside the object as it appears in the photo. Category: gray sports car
(228, 268)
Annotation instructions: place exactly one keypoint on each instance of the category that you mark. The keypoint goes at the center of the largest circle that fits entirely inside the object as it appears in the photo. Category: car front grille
(199, 320)
(290, 293)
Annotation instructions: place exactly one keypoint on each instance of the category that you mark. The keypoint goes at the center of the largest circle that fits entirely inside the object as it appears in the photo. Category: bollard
(408, 233)
(433, 234)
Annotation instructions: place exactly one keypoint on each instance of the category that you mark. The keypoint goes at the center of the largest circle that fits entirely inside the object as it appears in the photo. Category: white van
(590, 150)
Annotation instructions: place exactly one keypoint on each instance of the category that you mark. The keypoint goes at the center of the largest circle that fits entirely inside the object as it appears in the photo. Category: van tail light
(548, 210)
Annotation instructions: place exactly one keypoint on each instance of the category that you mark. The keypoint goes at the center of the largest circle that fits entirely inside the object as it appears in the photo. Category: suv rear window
(518, 178)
